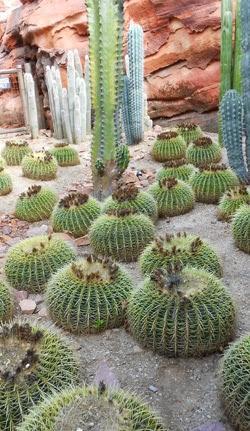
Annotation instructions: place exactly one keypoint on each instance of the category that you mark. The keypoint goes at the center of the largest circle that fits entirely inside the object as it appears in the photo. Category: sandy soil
(187, 390)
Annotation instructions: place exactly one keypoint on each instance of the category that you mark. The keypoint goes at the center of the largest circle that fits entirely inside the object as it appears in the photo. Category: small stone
(153, 389)
(6, 230)
(20, 294)
(137, 349)
(36, 297)
(38, 230)
(43, 312)
(157, 128)
(27, 306)
(211, 426)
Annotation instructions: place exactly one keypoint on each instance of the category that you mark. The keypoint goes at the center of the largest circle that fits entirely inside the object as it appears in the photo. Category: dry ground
(187, 390)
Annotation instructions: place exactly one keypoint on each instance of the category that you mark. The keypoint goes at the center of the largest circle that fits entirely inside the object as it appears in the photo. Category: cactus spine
(32, 108)
(69, 106)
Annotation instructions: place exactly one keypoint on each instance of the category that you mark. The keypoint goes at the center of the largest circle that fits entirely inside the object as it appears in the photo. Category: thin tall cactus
(32, 107)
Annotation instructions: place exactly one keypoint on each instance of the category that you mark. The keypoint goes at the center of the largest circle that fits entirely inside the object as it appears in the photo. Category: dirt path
(187, 390)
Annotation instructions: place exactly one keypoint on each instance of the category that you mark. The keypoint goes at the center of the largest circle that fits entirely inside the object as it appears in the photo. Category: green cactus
(121, 234)
(35, 360)
(122, 158)
(210, 183)
(189, 131)
(65, 155)
(2, 163)
(169, 146)
(30, 263)
(241, 228)
(40, 166)
(173, 197)
(186, 313)
(203, 152)
(5, 183)
(6, 303)
(14, 152)
(179, 169)
(235, 383)
(75, 213)
(107, 410)
(127, 196)
(189, 249)
(35, 204)
(86, 292)
(226, 46)
(231, 202)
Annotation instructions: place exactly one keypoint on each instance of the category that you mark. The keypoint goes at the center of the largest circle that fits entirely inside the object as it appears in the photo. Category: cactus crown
(18, 144)
(214, 168)
(168, 183)
(125, 192)
(172, 245)
(19, 346)
(175, 163)
(203, 142)
(237, 192)
(167, 135)
(42, 156)
(39, 248)
(93, 269)
(32, 191)
(187, 126)
(61, 145)
(124, 212)
(74, 199)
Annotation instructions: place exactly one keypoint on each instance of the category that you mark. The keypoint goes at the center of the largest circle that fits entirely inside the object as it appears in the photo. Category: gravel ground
(184, 392)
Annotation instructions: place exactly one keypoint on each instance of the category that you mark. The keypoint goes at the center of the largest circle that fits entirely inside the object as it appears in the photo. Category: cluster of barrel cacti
(70, 107)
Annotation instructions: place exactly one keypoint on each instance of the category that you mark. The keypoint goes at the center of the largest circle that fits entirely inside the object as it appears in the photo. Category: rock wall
(182, 43)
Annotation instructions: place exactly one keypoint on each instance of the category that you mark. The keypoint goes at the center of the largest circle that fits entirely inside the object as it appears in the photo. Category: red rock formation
(182, 39)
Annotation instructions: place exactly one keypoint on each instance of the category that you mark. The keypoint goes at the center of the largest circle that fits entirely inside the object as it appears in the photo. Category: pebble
(27, 306)
(153, 389)
(43, 312)
(20, 294)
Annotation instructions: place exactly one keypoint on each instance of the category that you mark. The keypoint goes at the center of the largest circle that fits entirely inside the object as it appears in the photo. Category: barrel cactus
(241, 228)
(179, 169)
(182, 313)
(2, 163)
(127, 196)
(74, 214)
(231, 201)
(40, 166)
(122, 157)
(30, 263)
(189, 131)
(210, 183)
(88, 295)
(35, 204)
(6, 302)
(235, 383)
(34, 361)
(169, 146)
(76, 408)
(203, 152)
(65, 155)
(173, 197)
(5, 182)
(189, 249)
(121, 234)
(14, 152)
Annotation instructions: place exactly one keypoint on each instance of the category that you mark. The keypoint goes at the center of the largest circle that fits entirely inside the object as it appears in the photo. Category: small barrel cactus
(34, 361)
(5, 183)
(2, 163)
(40, 166)
(241, 228)
(15, 151)
(203, 152)
(121, 234)
(6, 303)
(189, 131)
(88, 295)
(189, 249)
(75, 213)
(122, 157)
(231, 201)
(76, 408)
(65, 155)
(179, 169)
(35, 204)
(235, 383)
(30, 263)
(126, 196)
(173, 197)
(182, 313)
(169, 146)
(210, 183)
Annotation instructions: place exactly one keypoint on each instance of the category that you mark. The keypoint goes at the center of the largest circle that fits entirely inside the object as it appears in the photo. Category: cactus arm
(119, 77)
(77, 120)
(65, 116)
(126, 112)
(71, 74)
(88, 96)
(82, 98)
(78, 64)
(232, 125)
(49, 83)
(237, 84)
(33, 118)
(226, 52)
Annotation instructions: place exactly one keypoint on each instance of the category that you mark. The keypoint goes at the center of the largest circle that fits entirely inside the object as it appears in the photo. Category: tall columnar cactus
(133, 98)
(32, 106)
(105, 28)
(226, 46)
(88, 95)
